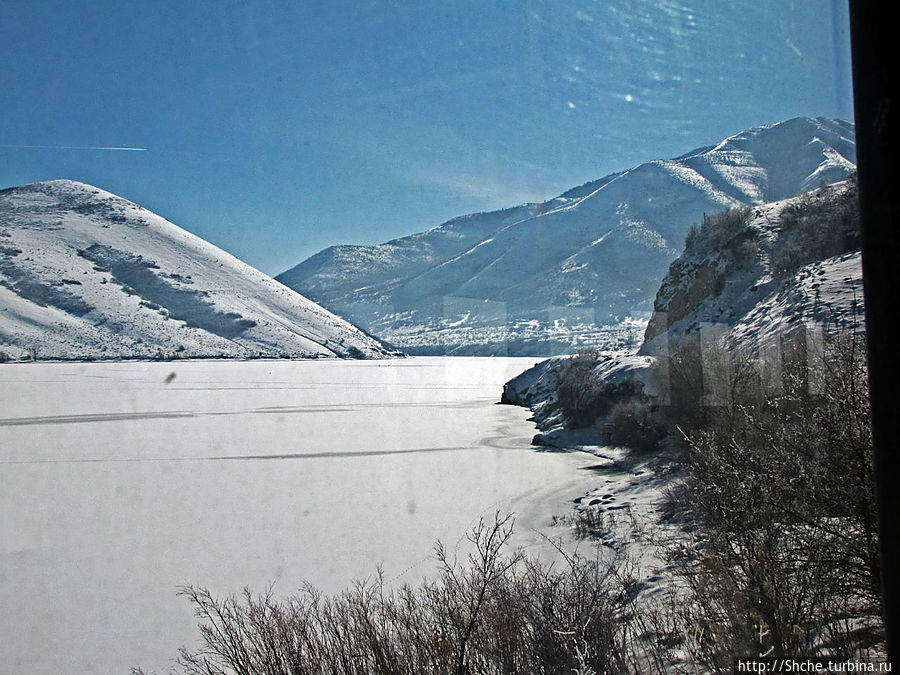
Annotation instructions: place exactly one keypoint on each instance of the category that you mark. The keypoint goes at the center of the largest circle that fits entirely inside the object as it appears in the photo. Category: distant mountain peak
(539, 279)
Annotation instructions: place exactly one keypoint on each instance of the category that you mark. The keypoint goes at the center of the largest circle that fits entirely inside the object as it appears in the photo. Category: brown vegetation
(499, 612)
(778, 471)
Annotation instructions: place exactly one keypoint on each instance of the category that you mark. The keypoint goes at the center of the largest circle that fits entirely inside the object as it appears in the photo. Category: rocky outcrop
(757, 275)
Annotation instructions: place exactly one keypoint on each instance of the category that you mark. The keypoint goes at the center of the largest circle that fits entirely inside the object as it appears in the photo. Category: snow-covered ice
(121, 481)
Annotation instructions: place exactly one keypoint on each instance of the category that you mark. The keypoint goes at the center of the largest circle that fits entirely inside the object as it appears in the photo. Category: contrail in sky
(71, 147)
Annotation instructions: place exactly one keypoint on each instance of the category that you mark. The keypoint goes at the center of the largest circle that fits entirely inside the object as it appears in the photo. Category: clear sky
(275, 129)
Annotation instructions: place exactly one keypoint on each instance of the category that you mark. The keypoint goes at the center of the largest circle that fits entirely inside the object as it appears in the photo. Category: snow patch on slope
(85, 274)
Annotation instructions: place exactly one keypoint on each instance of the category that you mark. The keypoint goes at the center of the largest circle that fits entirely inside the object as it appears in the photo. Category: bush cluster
(778, 471)
(583, 397)
(579, 394)
(717, 230)
(816, 227)
(499, 612)
(632, 424)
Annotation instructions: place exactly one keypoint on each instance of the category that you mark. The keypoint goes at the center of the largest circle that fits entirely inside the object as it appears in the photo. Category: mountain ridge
(582, 261)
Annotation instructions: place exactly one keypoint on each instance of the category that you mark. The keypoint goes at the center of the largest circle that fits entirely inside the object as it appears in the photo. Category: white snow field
(121, 481)
(87, 275)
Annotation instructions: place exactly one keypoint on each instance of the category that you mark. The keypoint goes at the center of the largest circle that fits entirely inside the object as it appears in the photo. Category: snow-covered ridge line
(600, 249)
(753, 276)
(87, 275)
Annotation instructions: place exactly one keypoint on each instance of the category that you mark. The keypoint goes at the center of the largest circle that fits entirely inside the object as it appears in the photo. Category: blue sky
(275, 129)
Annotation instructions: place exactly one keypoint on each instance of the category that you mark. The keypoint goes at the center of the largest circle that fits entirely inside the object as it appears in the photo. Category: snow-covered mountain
(764, 277)
(85, 274)
(764, 273)
(581, 269)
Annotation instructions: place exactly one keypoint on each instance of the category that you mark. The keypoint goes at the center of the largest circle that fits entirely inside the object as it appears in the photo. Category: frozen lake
(120, 482)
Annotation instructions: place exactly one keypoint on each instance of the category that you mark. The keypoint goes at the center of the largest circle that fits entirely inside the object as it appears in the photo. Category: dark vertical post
(874, 42)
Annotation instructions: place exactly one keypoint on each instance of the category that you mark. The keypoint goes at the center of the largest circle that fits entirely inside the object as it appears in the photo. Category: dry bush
(817, 226)
(717, 230)
(499, 612)
(579, 394)
(582, 397)
(779, 474)
(632, 424)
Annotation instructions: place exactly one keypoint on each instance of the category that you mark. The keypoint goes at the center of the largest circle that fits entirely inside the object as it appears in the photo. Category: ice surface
(120, 481)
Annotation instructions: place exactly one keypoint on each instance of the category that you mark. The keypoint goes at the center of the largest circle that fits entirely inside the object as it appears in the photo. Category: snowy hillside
(761, 275)
(785, 269)
(551, 277)
(87, 275)
(765, 272)
(750, 376)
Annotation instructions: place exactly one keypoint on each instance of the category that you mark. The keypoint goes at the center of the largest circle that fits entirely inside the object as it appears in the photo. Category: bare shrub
(587, 523)
(678, 375)
(817, 226)
(717, 229)
(582, 396)
(780, 477)
(578, 392)
(631, 424)
(499, 612)
(706, 384)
